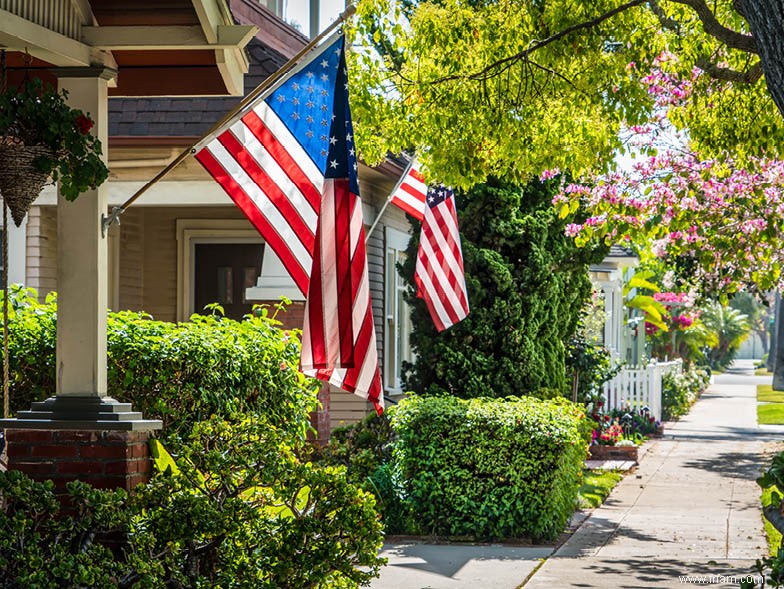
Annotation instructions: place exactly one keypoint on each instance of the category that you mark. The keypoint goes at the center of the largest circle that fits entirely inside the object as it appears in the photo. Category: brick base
(104, 459)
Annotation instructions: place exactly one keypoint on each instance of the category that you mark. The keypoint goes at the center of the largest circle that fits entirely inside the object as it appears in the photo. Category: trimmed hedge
(488, 468)
(181, 373)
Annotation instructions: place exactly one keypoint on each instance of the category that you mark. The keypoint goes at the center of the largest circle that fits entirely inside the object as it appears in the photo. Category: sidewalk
(692, 508)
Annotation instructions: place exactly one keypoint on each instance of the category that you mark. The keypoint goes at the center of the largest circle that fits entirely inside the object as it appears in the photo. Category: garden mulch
(691, 508)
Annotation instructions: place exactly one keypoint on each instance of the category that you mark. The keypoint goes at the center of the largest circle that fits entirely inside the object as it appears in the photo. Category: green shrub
(239, 509)
(680, 391)
(487, 468)
(178, 372)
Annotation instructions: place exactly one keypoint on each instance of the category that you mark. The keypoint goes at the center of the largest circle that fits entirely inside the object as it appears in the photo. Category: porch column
(80, 432)
(82, 272)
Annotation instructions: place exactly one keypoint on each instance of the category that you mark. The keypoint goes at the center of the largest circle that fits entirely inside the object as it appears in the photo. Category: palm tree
(730, 326)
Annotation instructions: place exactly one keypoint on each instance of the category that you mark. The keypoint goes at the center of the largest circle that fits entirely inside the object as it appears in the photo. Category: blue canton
(342, 158)
(438, 194)
(305, 102)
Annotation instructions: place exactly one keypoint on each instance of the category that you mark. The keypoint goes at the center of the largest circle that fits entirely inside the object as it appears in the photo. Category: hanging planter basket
(20, 180)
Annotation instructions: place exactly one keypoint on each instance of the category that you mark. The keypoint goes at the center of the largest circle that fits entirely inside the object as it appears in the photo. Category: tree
(510, 88)
(527, 283)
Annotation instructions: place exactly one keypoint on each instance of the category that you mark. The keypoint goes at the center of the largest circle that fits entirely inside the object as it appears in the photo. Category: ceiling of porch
(158, 47)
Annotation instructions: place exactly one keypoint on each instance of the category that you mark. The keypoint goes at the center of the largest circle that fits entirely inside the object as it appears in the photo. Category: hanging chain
(6, 387)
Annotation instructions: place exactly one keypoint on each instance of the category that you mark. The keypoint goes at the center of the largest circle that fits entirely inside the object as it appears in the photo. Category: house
(624, 333)
(184, 244)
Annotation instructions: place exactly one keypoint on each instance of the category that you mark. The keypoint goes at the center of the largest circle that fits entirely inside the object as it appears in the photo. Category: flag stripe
(410, 195)
(276, 232)
(439, 274)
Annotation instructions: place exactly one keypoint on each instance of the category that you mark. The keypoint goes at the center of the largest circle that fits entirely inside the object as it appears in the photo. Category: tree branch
(716, 72)
(715, 29)
(488, 71)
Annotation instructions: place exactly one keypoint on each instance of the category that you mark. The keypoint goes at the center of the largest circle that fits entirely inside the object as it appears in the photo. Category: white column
(82, 272)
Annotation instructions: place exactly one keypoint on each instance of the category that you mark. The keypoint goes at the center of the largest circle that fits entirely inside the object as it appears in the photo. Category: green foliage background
(527, 283)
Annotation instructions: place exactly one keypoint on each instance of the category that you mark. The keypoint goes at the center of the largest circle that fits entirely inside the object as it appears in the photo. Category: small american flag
(411, 192)
(439, 274)
(289, 163)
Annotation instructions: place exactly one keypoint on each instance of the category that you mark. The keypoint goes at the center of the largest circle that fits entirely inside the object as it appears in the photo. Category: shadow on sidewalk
(733, 465)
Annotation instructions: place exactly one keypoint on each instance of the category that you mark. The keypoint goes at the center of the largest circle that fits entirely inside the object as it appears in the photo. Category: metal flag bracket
(107, 220)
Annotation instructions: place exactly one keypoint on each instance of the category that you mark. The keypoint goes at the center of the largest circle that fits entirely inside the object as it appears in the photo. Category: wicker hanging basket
(20, 181)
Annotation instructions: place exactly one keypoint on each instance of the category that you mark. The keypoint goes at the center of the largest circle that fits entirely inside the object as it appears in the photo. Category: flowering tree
(718, 224)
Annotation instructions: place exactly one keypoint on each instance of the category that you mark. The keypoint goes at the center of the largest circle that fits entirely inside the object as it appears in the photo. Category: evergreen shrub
(488, 468)
(527, 283)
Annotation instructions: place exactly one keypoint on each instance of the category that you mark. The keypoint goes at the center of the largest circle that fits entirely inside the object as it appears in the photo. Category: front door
(223, 272)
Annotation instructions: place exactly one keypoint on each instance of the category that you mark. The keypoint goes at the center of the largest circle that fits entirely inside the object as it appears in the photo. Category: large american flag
(411, 192)
(439, 274)
(289, 163)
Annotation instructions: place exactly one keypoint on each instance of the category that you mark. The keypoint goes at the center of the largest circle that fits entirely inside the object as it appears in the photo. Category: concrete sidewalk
(692, 508)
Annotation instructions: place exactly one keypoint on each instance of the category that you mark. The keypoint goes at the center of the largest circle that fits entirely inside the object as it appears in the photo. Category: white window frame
(191, 232)
(396, 243)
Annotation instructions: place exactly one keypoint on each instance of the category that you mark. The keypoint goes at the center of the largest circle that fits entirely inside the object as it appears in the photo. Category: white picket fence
(639, 387)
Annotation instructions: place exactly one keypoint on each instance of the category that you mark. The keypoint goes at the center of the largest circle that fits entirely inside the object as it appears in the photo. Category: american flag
(439, 274)
(411, 192)
(289, 163)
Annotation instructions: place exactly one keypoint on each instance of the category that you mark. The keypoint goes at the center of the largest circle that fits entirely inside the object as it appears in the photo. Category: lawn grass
(770, 413)
(762, 371)
(771, 534)
(765, 393)
(597, 484)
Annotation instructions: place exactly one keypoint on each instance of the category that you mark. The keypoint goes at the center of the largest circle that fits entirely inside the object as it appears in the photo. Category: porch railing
(639, 387)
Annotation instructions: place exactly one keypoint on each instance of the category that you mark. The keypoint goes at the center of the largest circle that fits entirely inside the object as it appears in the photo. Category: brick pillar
(104, 459)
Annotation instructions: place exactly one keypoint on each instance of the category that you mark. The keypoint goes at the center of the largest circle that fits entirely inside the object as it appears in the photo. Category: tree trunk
(766, 23)
(778, 366)
(773, 334)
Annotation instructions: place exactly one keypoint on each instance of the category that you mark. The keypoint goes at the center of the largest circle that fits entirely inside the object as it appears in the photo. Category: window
(397, 348)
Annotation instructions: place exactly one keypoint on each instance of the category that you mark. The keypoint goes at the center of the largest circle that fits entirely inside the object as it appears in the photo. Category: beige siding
(345, 408)
(131, 261)
(41, 267)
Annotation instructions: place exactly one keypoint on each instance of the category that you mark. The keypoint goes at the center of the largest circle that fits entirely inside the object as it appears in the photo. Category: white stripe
(267, 163)
(262, 202)
(450, 228)
(329, 276)
(431, 291)
(284, 136)
(413, 202)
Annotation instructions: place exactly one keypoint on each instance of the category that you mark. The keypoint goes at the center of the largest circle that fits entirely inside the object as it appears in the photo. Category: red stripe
(299, 274)
(344, 267)
(276, 196)
(414, 173)
(281, 155)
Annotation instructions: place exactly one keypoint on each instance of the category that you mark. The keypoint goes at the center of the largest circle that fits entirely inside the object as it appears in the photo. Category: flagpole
(389, 199)
(106, 221)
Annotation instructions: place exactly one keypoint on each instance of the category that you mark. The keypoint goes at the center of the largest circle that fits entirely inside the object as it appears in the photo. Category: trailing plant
(34, 114)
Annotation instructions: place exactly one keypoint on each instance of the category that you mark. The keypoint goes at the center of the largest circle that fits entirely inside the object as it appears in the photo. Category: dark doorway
(223, 272)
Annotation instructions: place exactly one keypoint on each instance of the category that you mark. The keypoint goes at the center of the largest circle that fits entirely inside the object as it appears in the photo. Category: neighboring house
(624, 329)
(184, 244)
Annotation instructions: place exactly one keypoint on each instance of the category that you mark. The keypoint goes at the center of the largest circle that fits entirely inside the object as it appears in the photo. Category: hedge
(488, 468)
(181, 373)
